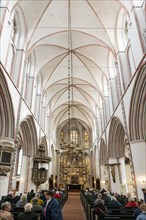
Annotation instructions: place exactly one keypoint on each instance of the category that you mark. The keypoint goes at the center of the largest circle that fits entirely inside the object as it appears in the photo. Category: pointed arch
(27, 136)
(137, 119)
(116, 140)
(6, 108)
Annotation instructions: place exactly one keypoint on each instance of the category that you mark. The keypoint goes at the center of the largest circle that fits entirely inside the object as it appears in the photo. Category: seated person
(114, 203)
(132, 203)
(5, 211)
(27, 214)
(99, 209)
(137, 211)
(9, 197)
(142, 216)
(15, 198)
(107, 198)
(40, 201)
(35, 206)
(22, 201)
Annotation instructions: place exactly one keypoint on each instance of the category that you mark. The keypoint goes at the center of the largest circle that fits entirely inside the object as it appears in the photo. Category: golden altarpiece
(74, 163)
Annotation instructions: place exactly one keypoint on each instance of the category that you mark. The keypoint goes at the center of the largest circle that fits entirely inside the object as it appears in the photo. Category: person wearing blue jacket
(142, 215)
(51, 210)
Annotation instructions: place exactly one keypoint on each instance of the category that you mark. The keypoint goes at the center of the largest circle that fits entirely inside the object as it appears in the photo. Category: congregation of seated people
(105, 204)
(28, 206)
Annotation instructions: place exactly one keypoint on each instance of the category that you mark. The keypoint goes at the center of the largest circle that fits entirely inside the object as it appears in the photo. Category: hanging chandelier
(74, 168)
(69, 145)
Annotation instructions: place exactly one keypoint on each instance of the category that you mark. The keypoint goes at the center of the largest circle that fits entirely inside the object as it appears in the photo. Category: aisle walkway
(73, 209)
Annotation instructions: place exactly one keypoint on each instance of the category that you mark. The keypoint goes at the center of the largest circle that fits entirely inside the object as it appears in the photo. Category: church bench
(15, 214)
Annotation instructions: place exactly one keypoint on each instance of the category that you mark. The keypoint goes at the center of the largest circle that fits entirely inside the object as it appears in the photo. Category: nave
(73, 95)
(73, 209)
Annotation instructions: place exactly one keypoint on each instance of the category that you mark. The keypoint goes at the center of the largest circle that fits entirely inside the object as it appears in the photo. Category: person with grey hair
(5, 211)
(22, 201)
(27, 214)
(99, 209)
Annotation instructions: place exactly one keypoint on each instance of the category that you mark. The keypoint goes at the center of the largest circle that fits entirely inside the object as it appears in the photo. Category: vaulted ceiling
(80, 34)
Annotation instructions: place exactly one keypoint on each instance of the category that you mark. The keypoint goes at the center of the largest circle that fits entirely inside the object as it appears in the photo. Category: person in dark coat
(28, 214)
(144, 194)
(114, 203)
(30, 195)
(51, 210)
(15, 199)
(9, 197)
(137, 210)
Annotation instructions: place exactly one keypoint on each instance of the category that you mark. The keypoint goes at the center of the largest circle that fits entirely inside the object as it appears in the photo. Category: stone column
(114, 175)
(30, 184)
(138, 150)
(23, 175)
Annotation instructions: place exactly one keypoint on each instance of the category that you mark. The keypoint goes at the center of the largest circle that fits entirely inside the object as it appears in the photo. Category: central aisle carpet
(73, 209)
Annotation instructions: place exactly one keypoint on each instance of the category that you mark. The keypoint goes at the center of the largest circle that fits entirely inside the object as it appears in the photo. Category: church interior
(73, 95)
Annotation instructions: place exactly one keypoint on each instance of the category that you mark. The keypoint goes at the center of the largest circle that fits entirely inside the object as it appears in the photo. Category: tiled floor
(73, 209)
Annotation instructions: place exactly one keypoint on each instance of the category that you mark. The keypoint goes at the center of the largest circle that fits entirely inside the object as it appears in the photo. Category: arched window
(61, 136)
(130, 61)
(74, 136)
(86, 137)
(38, 92)
(15, 31)
(29, 83)
(122, 36)
(113, 84)
(15, 35)
(16, 45)
(20, 155)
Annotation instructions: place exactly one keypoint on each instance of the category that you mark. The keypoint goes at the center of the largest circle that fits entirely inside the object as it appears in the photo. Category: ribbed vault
(84, 30)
